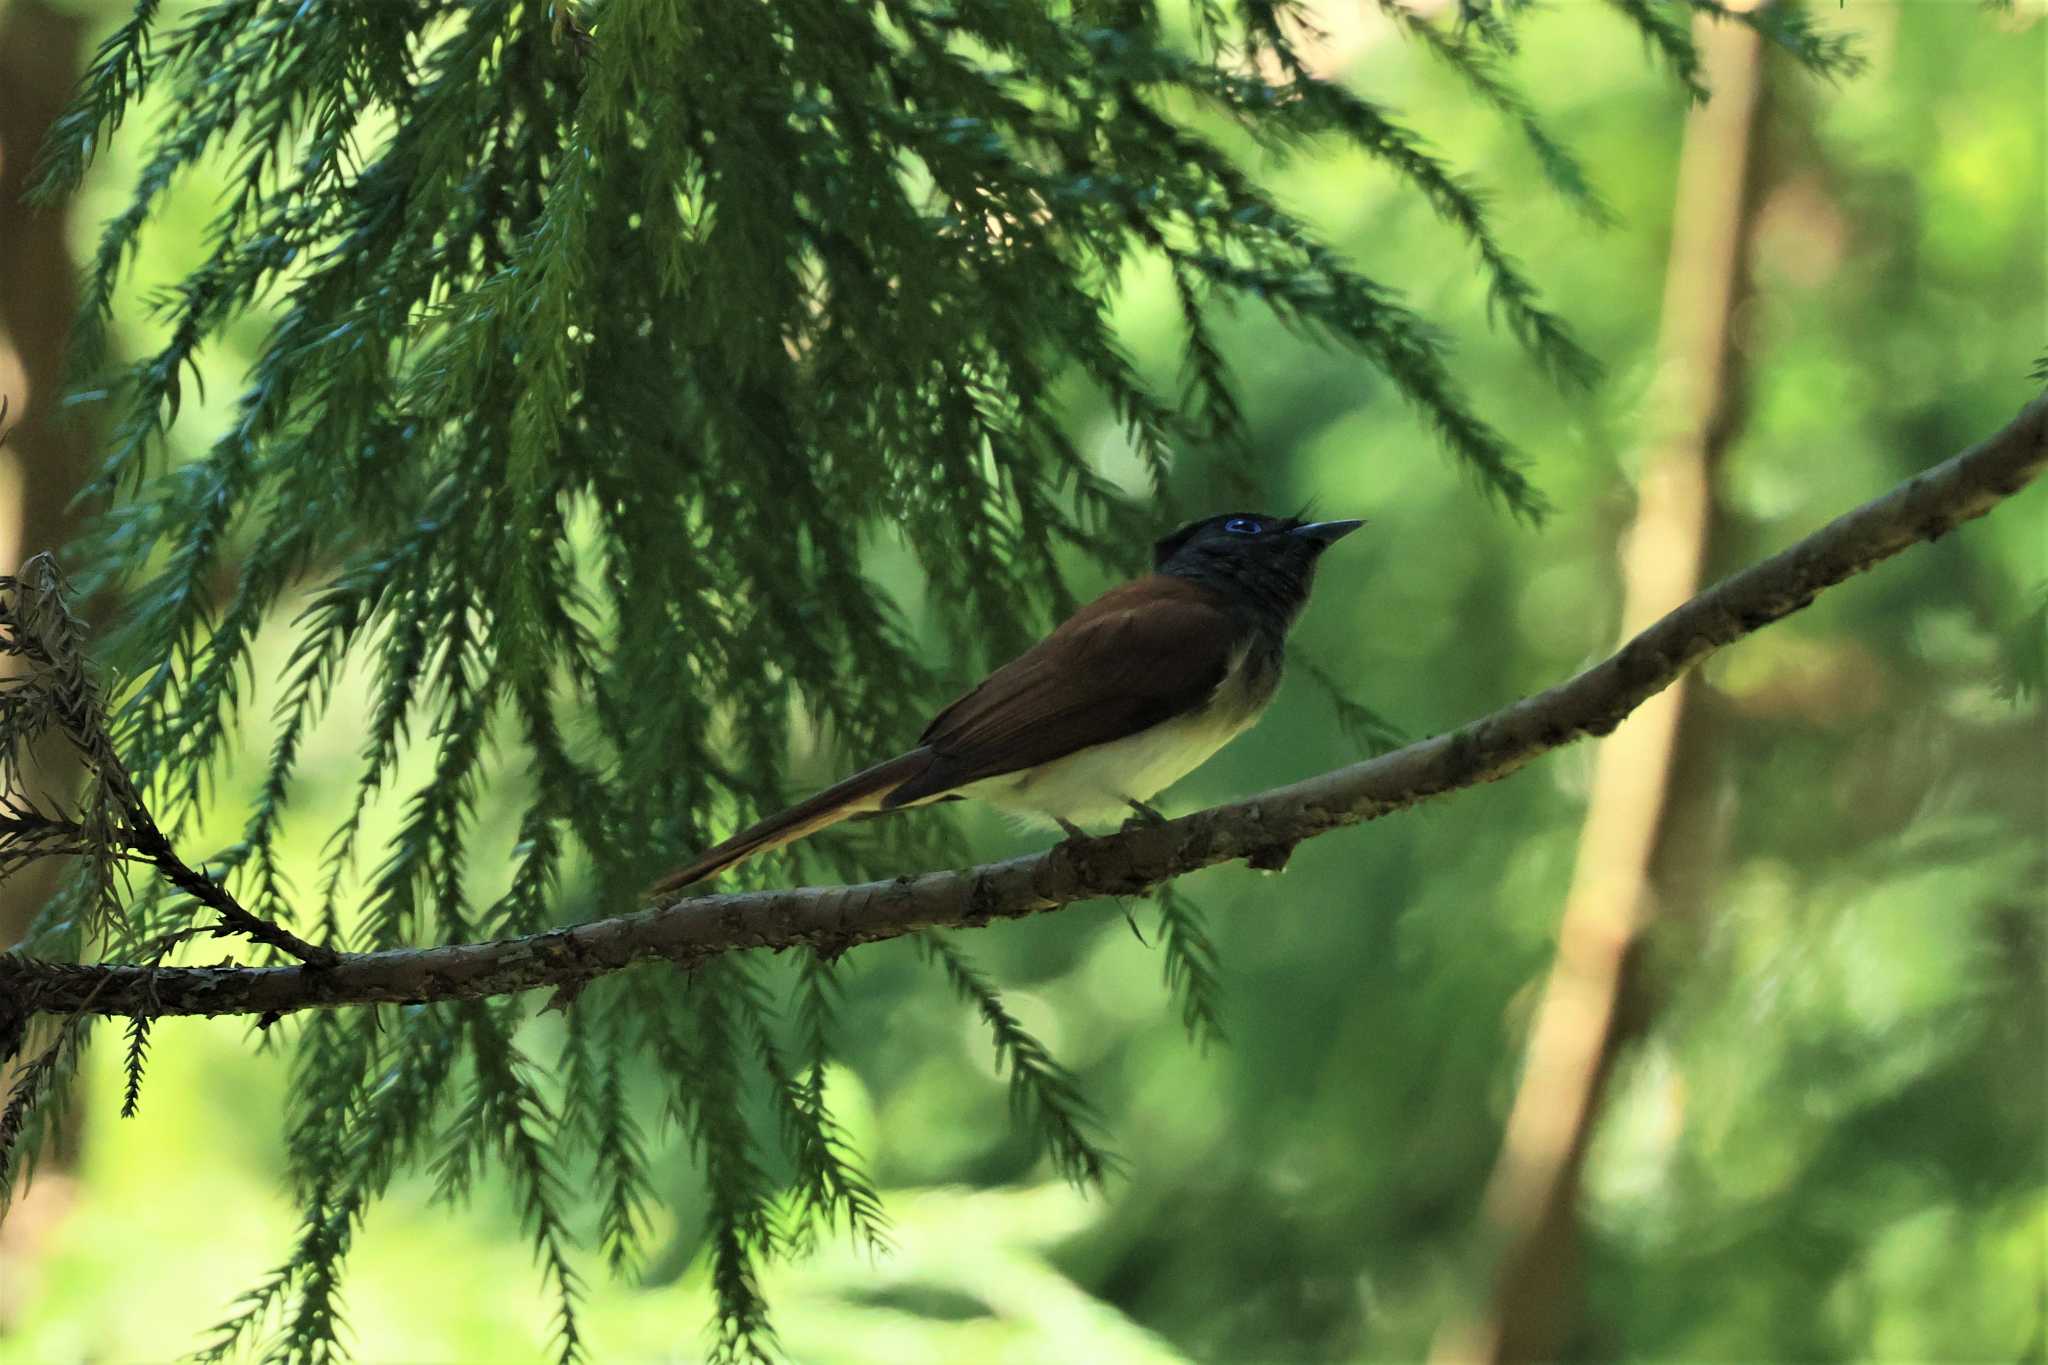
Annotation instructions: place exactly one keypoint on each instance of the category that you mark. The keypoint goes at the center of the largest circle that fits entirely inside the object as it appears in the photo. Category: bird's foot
(1146, 815)
(1075, 834)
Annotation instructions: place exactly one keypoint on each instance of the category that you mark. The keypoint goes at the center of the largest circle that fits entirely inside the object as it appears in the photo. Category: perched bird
(1128, 695)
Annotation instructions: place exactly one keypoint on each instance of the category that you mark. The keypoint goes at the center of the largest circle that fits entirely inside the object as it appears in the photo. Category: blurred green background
(1830, 1144)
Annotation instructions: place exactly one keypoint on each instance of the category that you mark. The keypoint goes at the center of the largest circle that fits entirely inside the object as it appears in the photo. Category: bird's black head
(1265, 562)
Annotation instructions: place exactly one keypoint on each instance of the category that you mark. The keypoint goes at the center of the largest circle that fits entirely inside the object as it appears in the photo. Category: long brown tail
(856, 795)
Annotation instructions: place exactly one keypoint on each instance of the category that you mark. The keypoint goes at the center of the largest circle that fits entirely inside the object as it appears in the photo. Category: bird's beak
(1326, 533)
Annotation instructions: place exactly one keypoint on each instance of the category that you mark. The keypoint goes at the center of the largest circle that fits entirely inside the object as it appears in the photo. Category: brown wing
(1130, 659)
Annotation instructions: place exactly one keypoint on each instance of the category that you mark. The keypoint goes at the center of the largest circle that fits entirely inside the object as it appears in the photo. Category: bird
(1131, 693)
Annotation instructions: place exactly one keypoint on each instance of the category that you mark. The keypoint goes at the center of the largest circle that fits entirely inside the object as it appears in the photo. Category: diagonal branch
(150, 843)
(51, 687)
(1261, 830)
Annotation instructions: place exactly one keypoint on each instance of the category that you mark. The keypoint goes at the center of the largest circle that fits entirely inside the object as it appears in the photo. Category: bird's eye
(1243, 526)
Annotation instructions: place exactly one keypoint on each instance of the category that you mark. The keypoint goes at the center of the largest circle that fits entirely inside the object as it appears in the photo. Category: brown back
(1135, 656)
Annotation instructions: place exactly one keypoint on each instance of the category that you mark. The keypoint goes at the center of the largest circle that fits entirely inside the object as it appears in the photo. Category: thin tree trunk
(41, 464)
(1592, 1003)
(44, 457)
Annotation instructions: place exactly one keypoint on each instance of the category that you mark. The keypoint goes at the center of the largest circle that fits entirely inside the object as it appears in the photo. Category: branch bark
(832, 919)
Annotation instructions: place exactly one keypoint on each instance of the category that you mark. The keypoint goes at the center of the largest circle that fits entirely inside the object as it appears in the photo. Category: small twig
(148, 840)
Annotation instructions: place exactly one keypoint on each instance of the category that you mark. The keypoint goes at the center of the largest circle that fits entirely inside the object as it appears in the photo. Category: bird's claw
(1145, 815)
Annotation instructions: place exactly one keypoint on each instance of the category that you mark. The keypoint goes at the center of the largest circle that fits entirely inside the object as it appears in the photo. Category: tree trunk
(44, 457)
(42, 461)
(1593, 1002)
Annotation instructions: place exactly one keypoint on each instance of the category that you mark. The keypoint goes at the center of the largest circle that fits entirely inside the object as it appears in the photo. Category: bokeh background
(1827, 1139)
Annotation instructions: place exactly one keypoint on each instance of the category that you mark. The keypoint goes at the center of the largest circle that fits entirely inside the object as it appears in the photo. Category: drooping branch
(49, 691)
(1261, 830)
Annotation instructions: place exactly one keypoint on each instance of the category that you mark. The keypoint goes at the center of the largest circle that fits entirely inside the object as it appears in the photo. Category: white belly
(1096, 785)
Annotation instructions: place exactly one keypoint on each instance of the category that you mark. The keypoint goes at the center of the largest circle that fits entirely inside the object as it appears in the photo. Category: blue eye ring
(1243, 526)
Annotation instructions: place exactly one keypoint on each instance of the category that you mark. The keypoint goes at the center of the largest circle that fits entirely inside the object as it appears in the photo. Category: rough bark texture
(831, 919)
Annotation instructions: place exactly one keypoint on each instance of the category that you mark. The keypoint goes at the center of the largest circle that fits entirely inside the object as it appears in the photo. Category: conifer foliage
(599, 342)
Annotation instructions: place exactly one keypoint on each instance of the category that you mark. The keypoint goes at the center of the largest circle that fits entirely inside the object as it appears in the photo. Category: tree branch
(149, 842)
(834, 918)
